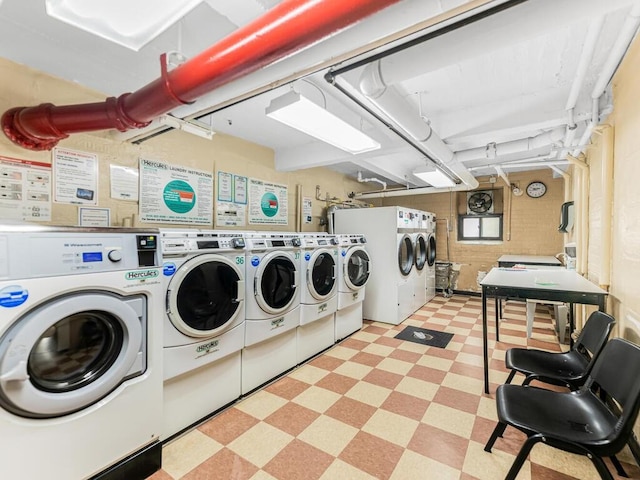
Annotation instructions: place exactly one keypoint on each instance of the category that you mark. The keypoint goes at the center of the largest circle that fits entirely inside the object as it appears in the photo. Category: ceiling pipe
(411, 191)
(388, 100)
(283, 30)
(502, 175)
(513, 147)
(372, 179)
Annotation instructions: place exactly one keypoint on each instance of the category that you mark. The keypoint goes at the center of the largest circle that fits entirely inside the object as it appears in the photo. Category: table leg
(571, 324)
(485, 342)
(498, 302)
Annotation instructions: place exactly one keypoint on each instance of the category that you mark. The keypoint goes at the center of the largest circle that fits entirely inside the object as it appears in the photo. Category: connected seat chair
(570, 368)
(595, 421)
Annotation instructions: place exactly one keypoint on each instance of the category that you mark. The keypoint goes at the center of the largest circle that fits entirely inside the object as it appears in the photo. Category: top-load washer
(204, 323)
(354, 267)
(80, 352)
(272, 306)
(390, 291)
(318, 295)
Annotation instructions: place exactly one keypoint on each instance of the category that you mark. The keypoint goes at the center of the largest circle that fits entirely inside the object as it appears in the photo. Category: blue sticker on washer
(344, 253)
(307, 256)
(168, 269)
(13, 296)
(255, 260)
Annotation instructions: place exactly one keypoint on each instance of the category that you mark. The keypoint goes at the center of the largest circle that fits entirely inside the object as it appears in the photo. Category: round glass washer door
(70, 352)
(420, 252)
(205, 295)
(276, 283)
(321, 273)
(431, 250)
(405, 255)
(357, 265)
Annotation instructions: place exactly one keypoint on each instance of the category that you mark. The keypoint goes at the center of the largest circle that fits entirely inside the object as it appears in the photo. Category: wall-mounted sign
(175, 194)
(75, 176)
(267, 203)
(25, 190)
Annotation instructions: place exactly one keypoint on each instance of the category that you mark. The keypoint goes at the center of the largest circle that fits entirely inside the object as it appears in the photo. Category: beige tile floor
(375, 407)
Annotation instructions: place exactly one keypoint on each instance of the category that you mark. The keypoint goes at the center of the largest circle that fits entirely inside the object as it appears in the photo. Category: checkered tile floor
(374, 407)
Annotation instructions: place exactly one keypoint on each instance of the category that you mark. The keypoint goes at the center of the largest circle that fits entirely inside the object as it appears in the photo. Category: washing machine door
(205, 295)
(70, 352)
(321, 273)
(431, 250)
(420, 252)
(357, 265)
(275, 283)
(405, 255)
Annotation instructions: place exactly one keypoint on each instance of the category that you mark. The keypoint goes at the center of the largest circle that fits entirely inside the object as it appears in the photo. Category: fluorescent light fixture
(131, 24)
(433, 176)
(190, 126)
(300, 113)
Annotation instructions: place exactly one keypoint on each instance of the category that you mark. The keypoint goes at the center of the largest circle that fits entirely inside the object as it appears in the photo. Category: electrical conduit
(283, 30)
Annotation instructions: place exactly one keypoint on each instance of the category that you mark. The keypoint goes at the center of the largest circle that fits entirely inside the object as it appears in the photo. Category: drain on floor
(423, 336)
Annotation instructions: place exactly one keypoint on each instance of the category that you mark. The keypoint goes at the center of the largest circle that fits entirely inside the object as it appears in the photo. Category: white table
(511, 260)
(557, 284)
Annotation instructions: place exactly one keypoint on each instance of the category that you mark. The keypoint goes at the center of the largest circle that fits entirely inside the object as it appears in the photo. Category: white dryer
(318, 296)
(204, 324)
(420, 246)
(429, 228)
(390, 291)
(272, 306)
(80, 352)
(354, 267)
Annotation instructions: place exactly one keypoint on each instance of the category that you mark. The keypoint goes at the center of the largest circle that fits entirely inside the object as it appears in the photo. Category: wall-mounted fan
(480, 202)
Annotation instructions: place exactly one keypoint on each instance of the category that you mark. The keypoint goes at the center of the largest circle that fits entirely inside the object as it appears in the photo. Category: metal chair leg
(497, 432)
(522, 456)
(604, 472)
(510, 377)
(616, 463)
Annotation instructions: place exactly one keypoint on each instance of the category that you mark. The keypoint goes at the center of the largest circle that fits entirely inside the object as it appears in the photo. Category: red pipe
(286, 28)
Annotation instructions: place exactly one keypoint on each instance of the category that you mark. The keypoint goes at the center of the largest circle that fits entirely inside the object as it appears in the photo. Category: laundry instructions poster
(267, 203)
(175, 194)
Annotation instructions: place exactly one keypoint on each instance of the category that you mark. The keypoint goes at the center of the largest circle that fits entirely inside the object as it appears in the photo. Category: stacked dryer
(272, 306)
(318, 300)
(204, 327)
(389, 230)
(428, 227)
(354, 267)
(420, 254)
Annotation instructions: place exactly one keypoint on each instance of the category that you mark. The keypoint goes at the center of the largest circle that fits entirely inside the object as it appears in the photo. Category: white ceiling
(502, 78)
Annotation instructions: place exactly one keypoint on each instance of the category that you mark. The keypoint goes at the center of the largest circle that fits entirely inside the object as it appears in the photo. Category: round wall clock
(536, 189)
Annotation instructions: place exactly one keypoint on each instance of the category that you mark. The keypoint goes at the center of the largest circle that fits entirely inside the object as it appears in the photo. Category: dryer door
(275, 283)
(420, 252)
(431, 250)
(356, 268)
(205, 295)
(70, 352)
(405, 254)
(321, 273)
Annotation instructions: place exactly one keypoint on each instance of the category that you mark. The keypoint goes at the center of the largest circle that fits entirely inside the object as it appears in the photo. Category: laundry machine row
(80, 352)
(403, 254)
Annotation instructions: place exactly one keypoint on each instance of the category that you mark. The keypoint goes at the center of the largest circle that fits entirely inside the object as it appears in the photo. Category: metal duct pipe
(286, 28)
(515, 146)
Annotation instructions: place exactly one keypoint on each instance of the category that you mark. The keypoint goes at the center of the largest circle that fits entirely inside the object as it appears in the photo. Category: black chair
(570, 368)
(595, 421)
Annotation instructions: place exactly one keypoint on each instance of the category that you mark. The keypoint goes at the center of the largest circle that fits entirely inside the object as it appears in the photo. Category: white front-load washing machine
(318, 295)
(272, 306)
(80, 352)
(204, 324)
(429, 227)
(354, 266)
